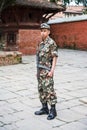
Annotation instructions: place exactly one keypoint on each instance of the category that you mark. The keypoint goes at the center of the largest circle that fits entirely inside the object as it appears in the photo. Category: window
(11, 38)
(0, 37)
(2, 40)
(30, 16)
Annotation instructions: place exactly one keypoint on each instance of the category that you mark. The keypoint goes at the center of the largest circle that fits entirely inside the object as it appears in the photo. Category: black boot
(52, 113)
(43, 110)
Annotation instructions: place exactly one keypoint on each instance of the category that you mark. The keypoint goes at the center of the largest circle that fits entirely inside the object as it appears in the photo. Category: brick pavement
(19, 96)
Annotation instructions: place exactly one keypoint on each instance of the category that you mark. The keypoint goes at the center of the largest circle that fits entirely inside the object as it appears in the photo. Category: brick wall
(66, 34)
(28, 40)
(70, 34)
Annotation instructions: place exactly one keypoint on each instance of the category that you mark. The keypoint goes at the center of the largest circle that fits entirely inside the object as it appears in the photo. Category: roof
(41, 4)
(73, 12)
(74, 9)
(69, 19)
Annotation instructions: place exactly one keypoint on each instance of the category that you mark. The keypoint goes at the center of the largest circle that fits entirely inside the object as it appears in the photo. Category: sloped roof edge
(42, 4)
(69, 19)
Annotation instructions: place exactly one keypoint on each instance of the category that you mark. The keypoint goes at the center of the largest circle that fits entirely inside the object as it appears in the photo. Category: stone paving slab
(69, 115)
(83, 121)
(74, 126)
(19, 95)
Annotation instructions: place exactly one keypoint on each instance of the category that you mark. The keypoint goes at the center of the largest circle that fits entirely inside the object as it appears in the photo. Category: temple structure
(19, 29)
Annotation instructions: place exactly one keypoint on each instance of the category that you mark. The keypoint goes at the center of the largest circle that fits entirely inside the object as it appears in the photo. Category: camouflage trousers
(46, 88)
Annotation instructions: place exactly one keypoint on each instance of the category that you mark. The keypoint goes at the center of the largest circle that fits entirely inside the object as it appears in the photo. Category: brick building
(70, 32)
(73, 10)
(19, 29)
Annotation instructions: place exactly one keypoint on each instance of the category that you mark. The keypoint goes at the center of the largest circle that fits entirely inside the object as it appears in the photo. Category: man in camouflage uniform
(46, 62)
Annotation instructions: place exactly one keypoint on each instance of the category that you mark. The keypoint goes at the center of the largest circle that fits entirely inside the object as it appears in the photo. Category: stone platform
(10, 57)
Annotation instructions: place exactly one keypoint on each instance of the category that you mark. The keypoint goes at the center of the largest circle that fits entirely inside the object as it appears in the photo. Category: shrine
(19, 29)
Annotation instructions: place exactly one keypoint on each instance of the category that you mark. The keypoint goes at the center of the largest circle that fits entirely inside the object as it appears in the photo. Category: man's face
(44, 33)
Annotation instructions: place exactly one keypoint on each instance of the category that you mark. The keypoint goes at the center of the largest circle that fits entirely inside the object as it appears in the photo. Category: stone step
(10, 57)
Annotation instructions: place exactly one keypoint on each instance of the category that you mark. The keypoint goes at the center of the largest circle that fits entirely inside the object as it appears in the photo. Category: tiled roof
(74, 9)
(69, 10)
(42, 4)
(69, 19)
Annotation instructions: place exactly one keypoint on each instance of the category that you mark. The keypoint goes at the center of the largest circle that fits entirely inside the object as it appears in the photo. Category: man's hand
(50, 74)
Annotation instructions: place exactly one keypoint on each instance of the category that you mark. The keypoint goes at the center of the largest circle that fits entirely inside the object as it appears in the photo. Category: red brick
(28, 40)
(71, 34)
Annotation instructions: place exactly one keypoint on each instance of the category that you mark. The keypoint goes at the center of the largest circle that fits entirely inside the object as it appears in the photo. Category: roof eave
(47, 6)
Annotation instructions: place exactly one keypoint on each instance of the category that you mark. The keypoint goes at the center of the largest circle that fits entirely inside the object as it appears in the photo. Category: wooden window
(0, 37)
(30, 16)
(11, 38)
(2, 40)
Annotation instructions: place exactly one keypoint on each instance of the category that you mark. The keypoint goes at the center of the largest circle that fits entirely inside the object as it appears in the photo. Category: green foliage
(66, 1)
(85, 11)
(84, 2)
(54, 1)
(81, 1)
(1, 45)
(78, 1)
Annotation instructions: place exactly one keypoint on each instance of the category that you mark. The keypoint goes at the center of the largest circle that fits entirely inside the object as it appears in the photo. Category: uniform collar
(46, 40)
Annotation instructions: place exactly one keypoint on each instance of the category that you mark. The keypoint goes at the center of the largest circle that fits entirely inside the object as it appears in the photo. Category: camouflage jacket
(46, 51)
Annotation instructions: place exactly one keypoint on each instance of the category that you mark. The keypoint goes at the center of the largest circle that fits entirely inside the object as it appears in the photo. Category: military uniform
(46, 51)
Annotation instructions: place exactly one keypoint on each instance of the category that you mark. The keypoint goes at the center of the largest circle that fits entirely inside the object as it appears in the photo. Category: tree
(84, 2)
(4, 4)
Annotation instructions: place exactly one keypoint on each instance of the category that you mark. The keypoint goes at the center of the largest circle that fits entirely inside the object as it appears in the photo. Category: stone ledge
(10, 57)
